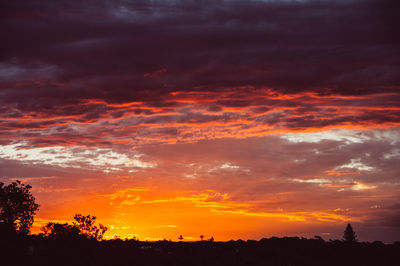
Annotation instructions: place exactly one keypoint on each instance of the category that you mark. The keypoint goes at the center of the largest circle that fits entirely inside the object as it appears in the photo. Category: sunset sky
(231, 119)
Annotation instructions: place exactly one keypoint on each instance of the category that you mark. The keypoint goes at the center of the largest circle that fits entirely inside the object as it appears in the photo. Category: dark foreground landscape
(36, 250)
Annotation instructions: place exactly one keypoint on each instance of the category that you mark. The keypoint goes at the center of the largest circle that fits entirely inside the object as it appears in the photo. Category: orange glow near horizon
(149, 214)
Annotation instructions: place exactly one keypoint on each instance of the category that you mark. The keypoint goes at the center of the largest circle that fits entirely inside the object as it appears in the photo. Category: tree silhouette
(201, 237)
(17, 207)
(349, 235)
(87, 227)
(83, 227)
(180, 238)
(60, 231)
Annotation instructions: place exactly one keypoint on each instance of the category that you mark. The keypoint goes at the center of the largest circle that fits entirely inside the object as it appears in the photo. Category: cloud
(104, 159)
(111, 51)
(134, 124)
(178, 71)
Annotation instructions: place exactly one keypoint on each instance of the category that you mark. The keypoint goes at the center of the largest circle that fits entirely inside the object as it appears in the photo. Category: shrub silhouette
(17, 207)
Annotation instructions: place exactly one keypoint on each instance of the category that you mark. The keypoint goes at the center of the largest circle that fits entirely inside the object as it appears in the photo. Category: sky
(231, 119)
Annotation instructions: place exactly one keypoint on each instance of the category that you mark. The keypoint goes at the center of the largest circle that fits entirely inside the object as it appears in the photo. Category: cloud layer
(284, 112)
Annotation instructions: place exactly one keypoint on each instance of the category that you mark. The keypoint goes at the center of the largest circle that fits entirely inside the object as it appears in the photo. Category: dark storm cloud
(62, 52)
(89, 72)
